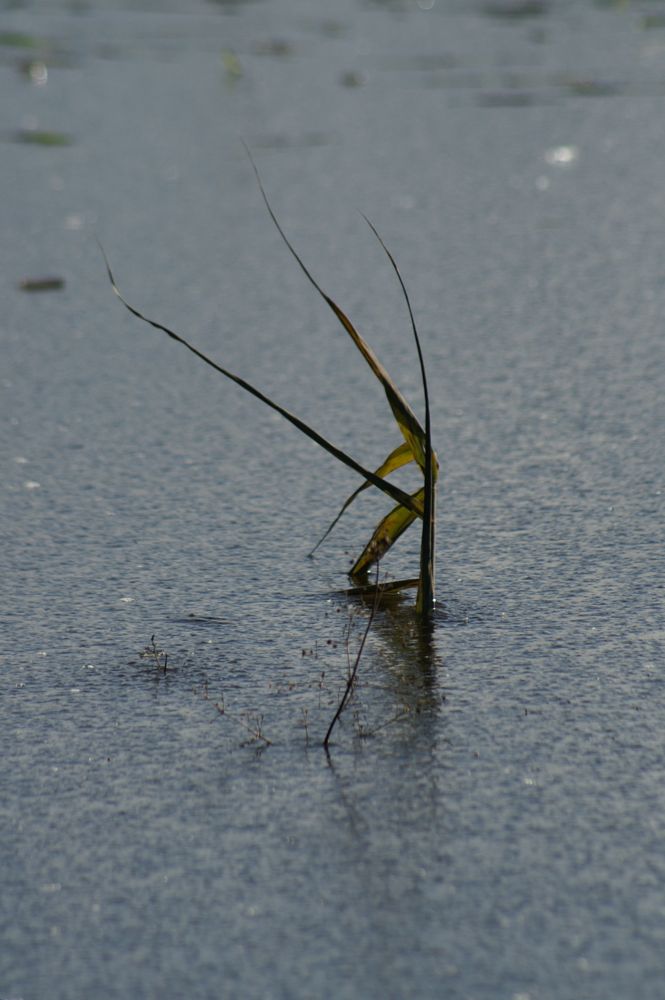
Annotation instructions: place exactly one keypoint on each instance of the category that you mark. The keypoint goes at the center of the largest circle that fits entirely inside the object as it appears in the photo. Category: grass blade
(351, 679)
(388, 530)
(408, 423)
(426, 589)
(401, 455)
(393, 491)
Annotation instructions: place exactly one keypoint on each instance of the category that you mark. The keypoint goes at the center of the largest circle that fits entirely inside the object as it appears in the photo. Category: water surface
(489, 822)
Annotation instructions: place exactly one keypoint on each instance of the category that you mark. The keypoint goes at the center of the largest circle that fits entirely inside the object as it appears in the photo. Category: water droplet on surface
(562, 156)
(74, 222)
(38, 73)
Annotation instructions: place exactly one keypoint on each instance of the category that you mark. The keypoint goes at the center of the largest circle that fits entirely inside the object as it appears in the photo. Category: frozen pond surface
(499, 836)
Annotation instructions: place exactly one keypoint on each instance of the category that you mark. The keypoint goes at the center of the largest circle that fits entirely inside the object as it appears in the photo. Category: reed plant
(415, 443)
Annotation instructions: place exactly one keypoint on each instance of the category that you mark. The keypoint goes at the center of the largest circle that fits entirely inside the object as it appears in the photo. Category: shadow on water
(408, 649)
(400, 684)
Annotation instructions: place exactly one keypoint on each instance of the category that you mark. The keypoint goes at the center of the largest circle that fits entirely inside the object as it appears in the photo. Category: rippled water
(488, 824)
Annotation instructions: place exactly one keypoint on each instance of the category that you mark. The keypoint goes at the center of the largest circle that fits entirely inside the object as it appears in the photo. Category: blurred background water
(489, 824)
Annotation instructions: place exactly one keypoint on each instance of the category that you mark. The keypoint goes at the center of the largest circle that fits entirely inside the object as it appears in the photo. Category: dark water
(489, 824)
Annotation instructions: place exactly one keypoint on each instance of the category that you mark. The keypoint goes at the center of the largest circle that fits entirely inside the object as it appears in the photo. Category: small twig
(369, 733)
(351, 679)
(255, 730)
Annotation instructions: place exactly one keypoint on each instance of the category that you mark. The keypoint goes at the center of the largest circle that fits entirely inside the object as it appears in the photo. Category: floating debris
(594, 88)
(19, 40)
(36, 71)
(47, 284)
(42, 137)
(231, 63)
(650, 21)
(353, 78)
(516, 11)
(277, 47)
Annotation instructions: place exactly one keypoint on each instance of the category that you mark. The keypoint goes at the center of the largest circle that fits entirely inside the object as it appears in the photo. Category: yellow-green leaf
(387, 532)
(400, 456)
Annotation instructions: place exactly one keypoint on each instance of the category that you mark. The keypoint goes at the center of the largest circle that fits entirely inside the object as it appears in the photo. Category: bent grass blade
(393, 491)
(408, 423)
(386, 534)
(426, 589)
(401, 455)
